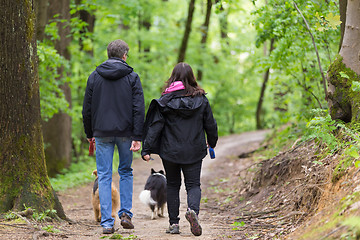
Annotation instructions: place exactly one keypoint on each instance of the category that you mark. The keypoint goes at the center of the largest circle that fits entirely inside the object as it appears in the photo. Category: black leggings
(191, 174)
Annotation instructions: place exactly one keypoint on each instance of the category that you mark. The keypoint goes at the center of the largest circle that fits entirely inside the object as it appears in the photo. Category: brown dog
(115, 197)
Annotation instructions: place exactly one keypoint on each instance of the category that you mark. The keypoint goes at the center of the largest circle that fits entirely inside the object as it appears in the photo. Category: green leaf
(353, 153)
(237, 225)
(357, 164)
(317, 162)
(344, 75)
(355, 86)
(334, 21)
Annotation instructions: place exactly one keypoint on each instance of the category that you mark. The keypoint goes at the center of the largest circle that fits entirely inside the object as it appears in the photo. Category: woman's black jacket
(175, 128)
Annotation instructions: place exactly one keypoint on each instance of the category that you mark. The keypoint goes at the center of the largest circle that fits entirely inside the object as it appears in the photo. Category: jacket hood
(182, 105)
(114, 69)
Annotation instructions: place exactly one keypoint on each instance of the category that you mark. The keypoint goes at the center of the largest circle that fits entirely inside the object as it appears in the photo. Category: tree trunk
(57, 131)
(204, 32)
(41, 18)
(144, 22)
(259, 124)
(342, 8)
(88, 18)
(23, 177)
(186, 36)
(343, 102)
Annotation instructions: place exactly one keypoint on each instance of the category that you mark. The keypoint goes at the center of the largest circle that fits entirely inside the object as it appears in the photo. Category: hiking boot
(173, 229)
(108, 230)
(192, 217)
(126, 221)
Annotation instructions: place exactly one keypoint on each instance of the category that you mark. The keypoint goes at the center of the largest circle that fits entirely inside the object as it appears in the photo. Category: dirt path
(77, 202)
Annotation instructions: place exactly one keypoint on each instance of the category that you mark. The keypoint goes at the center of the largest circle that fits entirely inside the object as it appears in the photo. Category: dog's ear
(153, 171)
(94, 172)
(162, 172)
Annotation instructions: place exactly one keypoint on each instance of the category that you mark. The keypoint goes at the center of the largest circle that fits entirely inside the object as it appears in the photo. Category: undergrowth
(80, 172)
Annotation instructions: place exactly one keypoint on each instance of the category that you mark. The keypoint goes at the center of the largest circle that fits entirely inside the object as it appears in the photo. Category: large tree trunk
(204, 32)
(23, 174)
(187, 31)
(344, 103)
(57, 131)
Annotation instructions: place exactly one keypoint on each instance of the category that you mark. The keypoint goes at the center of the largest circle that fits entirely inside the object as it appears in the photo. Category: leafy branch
(316, 50)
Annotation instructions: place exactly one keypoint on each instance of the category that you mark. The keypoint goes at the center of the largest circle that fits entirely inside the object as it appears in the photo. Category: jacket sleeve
(138, 109)
(210, 126)
(154, 124)
(86, 111)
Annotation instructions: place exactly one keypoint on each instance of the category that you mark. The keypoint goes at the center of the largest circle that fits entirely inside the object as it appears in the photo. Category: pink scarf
(175, 86)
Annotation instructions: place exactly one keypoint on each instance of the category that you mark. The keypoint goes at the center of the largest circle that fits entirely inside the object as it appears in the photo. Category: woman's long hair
(183, 72)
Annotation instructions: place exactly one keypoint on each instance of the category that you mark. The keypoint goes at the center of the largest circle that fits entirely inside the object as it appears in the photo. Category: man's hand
(135, 146)
(147, 158)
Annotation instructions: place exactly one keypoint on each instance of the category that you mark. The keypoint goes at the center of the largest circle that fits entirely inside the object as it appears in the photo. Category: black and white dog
(154, 193)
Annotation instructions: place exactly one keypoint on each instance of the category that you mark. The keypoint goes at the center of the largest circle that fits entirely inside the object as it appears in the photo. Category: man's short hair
(117, 48)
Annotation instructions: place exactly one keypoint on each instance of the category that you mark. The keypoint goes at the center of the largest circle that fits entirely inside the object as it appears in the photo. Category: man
(113, 114)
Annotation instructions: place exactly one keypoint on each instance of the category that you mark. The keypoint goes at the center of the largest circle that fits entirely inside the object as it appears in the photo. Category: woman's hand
(146, 158)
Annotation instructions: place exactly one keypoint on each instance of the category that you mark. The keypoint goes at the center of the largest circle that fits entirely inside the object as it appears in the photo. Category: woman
(175, 129)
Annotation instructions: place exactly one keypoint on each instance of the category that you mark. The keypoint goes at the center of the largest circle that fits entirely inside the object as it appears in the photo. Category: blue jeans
(104, 161)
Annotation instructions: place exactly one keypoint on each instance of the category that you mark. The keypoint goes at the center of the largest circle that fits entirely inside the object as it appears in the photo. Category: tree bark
(57, 131)
(204, 32)
(41, 18)
(23, 175)
(187, 31)
(88, 18)
(343, 102)
(342, 8)
(259, 124)
(144, 22)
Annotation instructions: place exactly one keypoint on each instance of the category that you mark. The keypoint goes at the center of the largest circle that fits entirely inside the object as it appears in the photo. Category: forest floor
(243, 197)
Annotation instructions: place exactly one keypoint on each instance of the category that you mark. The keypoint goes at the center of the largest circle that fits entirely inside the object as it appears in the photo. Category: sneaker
(173, 229)
(108, 230)
(126, 221)
(192, 217)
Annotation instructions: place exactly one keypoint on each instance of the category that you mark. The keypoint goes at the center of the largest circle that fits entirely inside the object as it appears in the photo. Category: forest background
(255, 59)
(263, 64)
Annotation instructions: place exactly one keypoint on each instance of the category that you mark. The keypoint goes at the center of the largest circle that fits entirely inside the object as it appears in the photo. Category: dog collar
(159, 174)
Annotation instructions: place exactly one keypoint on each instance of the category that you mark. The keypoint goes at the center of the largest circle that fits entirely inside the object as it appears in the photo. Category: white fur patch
(145, 197)
(159, 174)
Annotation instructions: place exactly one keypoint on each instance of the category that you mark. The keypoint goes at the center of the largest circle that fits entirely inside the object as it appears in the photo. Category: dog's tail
(145, 197)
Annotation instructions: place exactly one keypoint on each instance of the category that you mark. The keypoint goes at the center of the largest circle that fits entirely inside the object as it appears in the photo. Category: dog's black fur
(154, 193)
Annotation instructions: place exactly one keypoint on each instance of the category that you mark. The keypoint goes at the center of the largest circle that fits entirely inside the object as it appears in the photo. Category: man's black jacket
(114, 102)
(175, 128)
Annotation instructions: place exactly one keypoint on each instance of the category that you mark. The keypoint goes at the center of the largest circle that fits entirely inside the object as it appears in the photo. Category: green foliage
(323, 128)
(77, 174)
(119, 236)
(354, 224)
(336, 137)
(355, 86)
(52, 99)
(233, 64)
(44, 216)
(238, 225)
(51, 229)
(293, 86)
(334, 134)
(10, 216)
